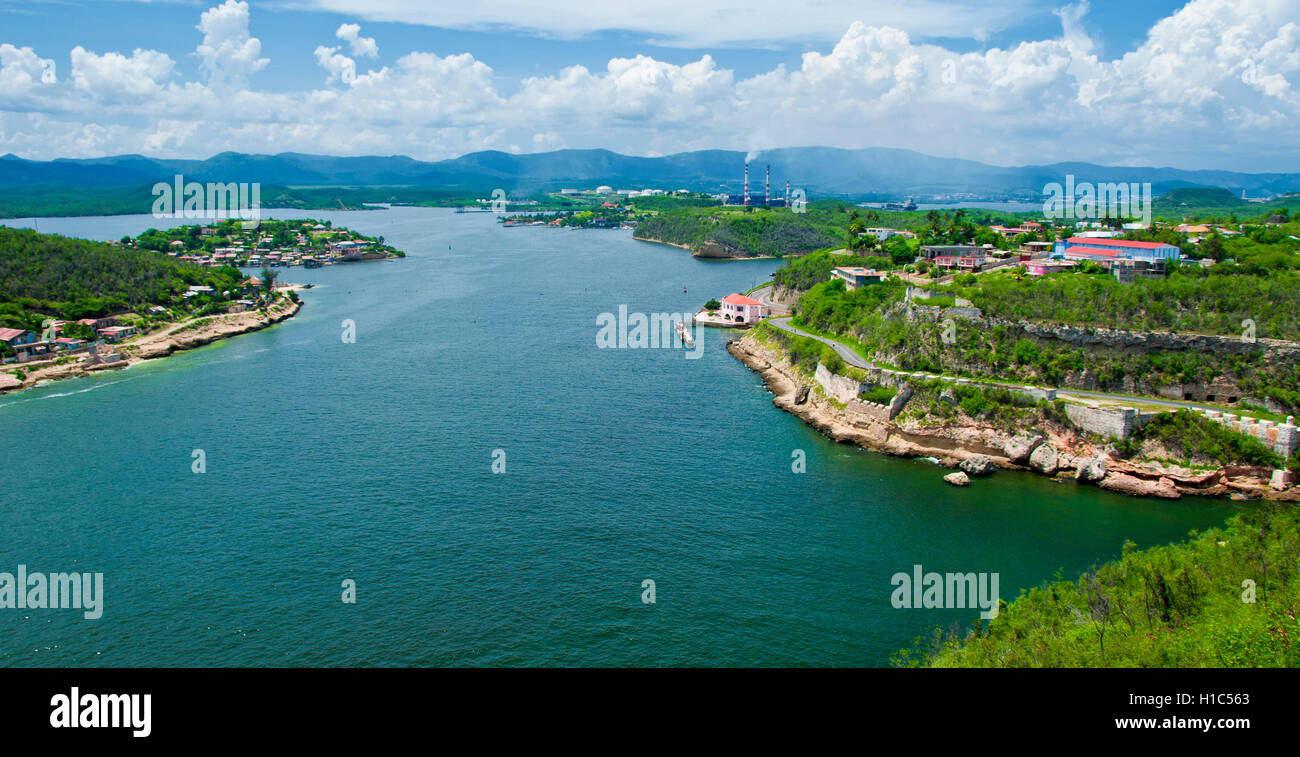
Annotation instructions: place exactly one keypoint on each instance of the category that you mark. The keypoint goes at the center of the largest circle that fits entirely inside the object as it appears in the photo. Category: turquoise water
(372, 461)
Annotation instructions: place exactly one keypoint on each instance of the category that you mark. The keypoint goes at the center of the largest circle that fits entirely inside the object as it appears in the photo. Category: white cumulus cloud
(361, 46)
(22, 71)
(229, 54)
(340, 67)
(115, 77)
(1215, 84)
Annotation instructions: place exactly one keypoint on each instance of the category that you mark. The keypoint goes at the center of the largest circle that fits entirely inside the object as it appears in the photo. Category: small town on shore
(268, 243)
(229, 302)
(66, 349)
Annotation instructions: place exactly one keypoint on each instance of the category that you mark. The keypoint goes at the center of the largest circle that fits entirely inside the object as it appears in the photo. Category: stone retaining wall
(1119, 422)
(841, 388)
(1282, 438)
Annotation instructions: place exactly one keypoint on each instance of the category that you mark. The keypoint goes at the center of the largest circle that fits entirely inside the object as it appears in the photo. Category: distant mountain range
(819, 171)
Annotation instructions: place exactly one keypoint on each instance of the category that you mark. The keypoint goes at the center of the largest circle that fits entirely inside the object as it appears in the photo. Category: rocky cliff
(1059, 451)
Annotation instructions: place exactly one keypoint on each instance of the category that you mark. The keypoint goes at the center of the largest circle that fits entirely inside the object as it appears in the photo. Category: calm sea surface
(372, 461)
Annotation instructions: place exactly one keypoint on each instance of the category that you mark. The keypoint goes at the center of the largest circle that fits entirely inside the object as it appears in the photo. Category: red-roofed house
(98, 323)
(1126, 248)
(742, 309)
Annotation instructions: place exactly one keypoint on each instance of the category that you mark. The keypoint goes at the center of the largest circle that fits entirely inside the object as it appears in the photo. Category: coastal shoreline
(952, 444)
(660, 241)
(159, 344)
(696, 253)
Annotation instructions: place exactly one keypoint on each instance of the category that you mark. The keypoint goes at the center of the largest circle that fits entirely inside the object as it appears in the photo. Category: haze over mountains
(822, 171)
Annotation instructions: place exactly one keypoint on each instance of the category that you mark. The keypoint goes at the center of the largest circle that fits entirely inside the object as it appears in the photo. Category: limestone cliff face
(1118, 341)
(951, 443)
(1060, 452)
(712, 249)
(785, 296)
(708, 249)
(1135, 342)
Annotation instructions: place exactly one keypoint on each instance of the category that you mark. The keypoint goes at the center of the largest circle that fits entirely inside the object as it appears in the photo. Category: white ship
(684, 333)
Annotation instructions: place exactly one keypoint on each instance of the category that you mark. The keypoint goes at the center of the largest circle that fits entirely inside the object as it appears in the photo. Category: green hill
(1201, 197)
(48, 275)
(736, 233)
(1216, 203)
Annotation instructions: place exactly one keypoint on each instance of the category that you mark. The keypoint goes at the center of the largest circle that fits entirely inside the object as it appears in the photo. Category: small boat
(684, 333)
(683, 289)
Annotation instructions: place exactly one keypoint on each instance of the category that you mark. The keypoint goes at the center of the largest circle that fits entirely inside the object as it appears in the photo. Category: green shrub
(974, 404)
(879, 394)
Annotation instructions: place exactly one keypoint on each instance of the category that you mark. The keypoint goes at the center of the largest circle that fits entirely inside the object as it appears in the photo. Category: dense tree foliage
(1208, 301)
(49, 275)
(755, 233)
(670, 202)
(802, 273)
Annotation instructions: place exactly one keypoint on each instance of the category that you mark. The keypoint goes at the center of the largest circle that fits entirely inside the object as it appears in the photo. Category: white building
(881, 234)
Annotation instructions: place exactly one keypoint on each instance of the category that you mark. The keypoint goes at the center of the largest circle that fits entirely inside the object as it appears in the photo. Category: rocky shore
(978, 450)
(660, 241)
(710, 250)
(159, 343)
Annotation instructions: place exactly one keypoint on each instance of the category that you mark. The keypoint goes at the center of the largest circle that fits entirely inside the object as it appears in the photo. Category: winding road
(843, 350)
(764, 295)
(852, 357)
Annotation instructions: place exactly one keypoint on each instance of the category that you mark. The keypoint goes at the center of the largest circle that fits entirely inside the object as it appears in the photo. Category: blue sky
(1211, 83)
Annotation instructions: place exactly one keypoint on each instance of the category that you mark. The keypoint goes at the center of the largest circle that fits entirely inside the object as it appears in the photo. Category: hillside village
(928, 331)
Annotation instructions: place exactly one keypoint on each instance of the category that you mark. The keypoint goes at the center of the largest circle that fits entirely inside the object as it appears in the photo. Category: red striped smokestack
(747, 185)
(767, 189)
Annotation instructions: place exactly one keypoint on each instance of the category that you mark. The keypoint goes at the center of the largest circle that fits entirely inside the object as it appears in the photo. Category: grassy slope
(759, 232)
(1172, 606)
